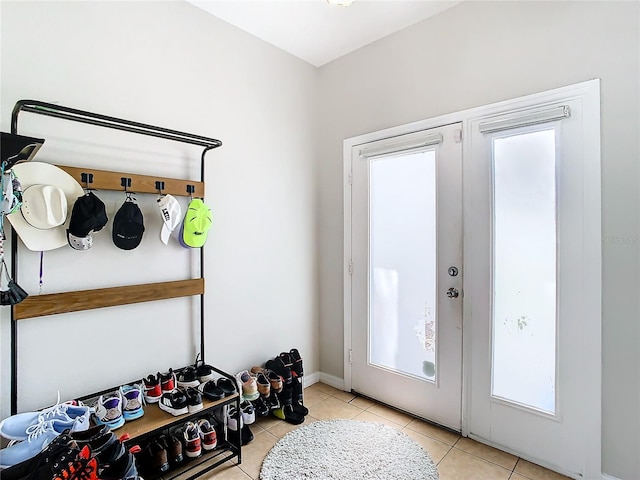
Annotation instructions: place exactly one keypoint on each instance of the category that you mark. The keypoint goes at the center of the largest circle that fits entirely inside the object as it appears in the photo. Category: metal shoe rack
(154, 421)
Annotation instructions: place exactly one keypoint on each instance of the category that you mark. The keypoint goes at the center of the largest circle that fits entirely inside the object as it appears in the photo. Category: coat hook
(86, 178)
(125, 182)
(191, 189)
(159, 186)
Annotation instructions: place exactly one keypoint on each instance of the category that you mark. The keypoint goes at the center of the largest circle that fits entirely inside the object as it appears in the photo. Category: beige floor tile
(344, 396)
(333, 408)
(458, 465)
(361, 402)
(436, 450)
(432, 431)
(517, 476)
(282, 428)
(265, 423)
(390, 414)
(253, 453)
(313, 397)
(226, 471)
(535, 472)
(323, 387)
(367, 416)
(485, 452)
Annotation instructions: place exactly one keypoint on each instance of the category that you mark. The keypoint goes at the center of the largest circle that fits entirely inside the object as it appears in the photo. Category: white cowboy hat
(48, 192)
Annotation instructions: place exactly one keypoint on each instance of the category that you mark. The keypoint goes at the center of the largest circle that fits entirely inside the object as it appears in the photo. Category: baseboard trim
(335, 382)
(310, 378)
(609, 477)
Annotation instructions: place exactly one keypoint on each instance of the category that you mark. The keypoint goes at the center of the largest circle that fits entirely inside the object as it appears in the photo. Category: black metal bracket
(86, 178)
(159, 186)
(191, 189)
(125, 182)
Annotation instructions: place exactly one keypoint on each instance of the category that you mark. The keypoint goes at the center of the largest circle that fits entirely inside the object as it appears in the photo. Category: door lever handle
(453, 293)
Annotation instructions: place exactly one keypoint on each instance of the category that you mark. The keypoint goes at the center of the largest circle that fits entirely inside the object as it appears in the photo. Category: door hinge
(457, 135)
(350, 180)
(350, 356)
(350, 266)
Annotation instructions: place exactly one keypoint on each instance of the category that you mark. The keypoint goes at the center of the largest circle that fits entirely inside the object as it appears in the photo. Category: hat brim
(39, 173)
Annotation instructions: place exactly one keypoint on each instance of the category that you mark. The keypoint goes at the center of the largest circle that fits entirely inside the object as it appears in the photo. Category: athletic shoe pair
(125, 404)
(181, 402)
(157, 385)
(198, 436)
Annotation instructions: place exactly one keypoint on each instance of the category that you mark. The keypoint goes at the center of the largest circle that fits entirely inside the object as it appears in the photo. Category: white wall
(482, 52)
(172, 65)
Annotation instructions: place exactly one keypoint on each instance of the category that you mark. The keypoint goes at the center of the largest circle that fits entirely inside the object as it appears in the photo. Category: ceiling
(318, 32)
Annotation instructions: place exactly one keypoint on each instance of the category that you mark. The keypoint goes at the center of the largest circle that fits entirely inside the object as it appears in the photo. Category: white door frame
(593, 247)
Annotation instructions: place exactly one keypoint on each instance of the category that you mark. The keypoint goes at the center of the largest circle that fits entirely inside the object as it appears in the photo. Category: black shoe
(58, 456)
(211, 391)
(229, 387)
(122, 468)
(297, 362)
(246, 434)
(194, 400)
(204, 372)
(153, 459)
(174, 403)
(261, 407)
(187, 377)
(280, 368)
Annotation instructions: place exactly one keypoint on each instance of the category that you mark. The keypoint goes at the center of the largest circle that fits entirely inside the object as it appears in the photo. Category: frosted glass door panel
(402, 276)
(524, 269)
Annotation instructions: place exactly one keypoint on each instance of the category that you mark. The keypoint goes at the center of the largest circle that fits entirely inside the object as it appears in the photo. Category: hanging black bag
(14, 293)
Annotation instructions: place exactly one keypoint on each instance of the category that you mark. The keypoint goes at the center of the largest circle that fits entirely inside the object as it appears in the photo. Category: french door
(406, 254)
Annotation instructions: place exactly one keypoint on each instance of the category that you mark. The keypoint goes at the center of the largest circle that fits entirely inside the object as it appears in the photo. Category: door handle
(453, 293)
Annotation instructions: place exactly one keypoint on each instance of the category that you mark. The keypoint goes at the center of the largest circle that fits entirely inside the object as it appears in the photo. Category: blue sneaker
(64, 415)
(109, 411)
(38, 437)
(132, 401)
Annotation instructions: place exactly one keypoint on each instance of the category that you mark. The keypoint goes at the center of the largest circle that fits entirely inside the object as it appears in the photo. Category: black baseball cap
(88, 216)
(128, 226)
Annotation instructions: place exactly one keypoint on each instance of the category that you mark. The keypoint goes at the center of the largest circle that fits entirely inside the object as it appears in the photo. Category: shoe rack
(154, 420)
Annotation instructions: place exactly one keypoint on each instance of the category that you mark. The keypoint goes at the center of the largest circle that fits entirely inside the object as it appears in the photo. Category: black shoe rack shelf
(155, 421)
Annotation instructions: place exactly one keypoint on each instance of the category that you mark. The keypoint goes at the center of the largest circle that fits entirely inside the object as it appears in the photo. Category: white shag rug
(347, 450)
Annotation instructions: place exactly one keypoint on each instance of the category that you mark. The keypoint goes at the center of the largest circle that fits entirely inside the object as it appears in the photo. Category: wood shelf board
(156, 419)
(54, 303)
(106, 180)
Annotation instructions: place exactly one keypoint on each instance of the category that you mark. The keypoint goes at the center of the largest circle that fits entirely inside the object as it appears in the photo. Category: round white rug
(347, 450)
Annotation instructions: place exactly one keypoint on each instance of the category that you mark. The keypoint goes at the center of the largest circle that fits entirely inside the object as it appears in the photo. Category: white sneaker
(109, 411)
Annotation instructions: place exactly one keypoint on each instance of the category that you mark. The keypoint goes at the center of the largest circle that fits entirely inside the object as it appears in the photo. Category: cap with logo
(171, 215)
(87, 217)
(196, 224)
(128, 226)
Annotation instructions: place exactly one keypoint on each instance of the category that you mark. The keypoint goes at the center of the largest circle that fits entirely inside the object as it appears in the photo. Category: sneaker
(174, 403)
(152, 389)
(153, 458)
(109, 411)
(65, 415)
(50, 462)
(261, 407)
(168, 381)
(187, 378)
(278, 366)
(211, 391)
(204, 372)
(173, 447)
(81, 469)
(248, 413)
(122, 468)
(194, 400)
(297, 362)
(38, 437)
(192, 442)
(208, 437)
(276, 381)
(249, 385)
(132, 400)
(264, 385)
(232, 418)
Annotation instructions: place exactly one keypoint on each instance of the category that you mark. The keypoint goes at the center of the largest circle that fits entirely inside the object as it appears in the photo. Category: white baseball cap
(171, 215)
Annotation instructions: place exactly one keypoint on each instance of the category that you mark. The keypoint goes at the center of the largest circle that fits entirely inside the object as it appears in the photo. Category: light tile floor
(457, 458)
